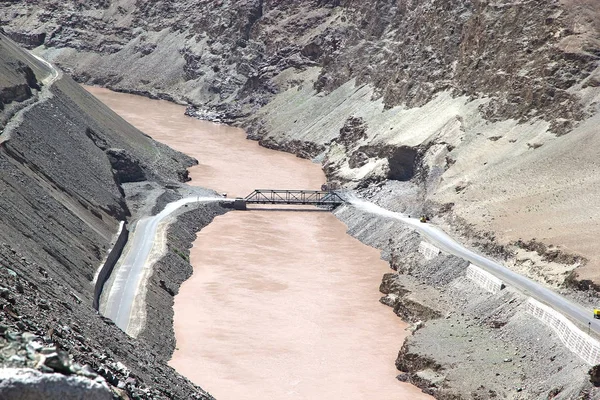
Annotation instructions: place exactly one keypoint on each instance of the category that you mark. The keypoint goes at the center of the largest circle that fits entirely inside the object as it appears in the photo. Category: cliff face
(523, 56)
(61, 201)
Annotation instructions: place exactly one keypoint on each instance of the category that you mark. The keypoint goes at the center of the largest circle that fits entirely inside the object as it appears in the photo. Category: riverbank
(367, 340)
(64, 159)
(467, 341)
(169, 273)
(461, 328)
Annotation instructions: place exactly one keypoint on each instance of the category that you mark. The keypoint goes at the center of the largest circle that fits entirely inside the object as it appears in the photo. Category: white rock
(29, 384)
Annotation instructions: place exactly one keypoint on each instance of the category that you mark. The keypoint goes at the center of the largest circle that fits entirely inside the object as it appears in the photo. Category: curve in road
(576, 313)
(123, 299)
(47, 83)
(55, 74)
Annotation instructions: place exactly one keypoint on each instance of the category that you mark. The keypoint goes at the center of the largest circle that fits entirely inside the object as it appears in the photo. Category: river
(282, 304)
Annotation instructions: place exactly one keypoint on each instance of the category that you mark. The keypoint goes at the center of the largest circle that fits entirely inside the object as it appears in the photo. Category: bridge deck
(297, 197)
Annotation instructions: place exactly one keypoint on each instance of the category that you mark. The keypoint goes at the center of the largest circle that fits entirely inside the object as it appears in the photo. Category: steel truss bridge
(295, 197)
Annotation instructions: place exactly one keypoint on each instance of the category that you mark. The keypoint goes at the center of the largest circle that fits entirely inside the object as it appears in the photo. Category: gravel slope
(62, 171)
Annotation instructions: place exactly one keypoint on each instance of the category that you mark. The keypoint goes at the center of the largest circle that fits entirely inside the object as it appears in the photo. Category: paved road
(576, 313)
(123, 300)
(49, 80)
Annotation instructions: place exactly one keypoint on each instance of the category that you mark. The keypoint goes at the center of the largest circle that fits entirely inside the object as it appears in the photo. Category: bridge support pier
(239, 204)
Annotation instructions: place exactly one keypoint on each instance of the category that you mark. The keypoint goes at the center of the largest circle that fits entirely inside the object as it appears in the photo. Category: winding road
(575, 312)
(54, 74)
(124, 302)
(47, 82)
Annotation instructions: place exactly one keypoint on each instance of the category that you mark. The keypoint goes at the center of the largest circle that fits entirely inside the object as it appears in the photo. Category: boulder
(125, 167)
(594, 373)
(29, 384)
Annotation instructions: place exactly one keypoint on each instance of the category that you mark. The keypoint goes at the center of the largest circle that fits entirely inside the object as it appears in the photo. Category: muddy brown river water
(282, 304)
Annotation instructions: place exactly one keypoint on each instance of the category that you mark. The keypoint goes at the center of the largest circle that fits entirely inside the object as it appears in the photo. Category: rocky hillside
(64, 160)
(523, 56)
(486, 110)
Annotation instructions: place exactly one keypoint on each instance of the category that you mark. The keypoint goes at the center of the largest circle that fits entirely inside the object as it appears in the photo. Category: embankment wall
(429, 251)
(574, 338)
(110, 262)
(484, 279)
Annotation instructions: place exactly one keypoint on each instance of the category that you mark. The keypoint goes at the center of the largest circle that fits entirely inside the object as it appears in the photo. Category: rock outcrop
(125, 167)
(29, 384)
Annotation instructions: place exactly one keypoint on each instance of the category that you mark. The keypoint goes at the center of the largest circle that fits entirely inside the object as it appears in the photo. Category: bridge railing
(300, 197)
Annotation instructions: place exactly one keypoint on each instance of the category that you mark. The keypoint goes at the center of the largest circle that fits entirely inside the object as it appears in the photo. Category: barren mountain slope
(487, 108)
(64, 158)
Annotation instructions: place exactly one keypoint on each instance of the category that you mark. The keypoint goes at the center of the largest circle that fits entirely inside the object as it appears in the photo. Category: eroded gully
(282, 304)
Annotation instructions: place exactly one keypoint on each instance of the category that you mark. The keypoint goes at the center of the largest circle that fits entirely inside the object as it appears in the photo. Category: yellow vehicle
(596, 313)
